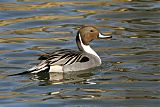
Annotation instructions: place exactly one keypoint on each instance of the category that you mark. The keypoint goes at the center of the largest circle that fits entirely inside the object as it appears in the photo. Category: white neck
(87, 48)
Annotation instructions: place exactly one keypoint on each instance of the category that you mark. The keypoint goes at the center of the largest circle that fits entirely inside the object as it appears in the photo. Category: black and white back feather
(59, 57)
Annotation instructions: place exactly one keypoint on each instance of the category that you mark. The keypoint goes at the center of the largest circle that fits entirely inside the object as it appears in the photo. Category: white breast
(56, 68)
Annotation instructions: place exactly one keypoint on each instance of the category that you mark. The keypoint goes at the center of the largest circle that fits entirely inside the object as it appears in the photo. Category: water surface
(128, 77)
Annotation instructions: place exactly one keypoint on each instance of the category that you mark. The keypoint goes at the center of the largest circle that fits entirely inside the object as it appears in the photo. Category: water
(128, 77)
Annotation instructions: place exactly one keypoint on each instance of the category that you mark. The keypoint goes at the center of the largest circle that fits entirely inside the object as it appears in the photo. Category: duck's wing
(60, 57)
(59, 54)
(64, 57)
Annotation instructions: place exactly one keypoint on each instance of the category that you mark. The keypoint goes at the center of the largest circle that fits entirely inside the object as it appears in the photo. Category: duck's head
(88, 33)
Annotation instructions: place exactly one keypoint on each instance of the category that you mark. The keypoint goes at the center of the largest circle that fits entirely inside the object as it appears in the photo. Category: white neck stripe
(87, 48)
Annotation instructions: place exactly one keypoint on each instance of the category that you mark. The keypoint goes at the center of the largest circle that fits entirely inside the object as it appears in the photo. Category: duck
(66, 60)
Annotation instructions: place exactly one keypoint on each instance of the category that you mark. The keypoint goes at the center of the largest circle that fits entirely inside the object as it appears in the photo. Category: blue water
(128, 77)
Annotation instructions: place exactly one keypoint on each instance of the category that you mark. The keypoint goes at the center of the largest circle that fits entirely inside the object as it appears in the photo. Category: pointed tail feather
(32, 70)
(21, 73)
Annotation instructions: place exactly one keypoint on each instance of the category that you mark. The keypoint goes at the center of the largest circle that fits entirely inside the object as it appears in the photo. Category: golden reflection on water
(13, 21)
(23, 39)
(22, 7)
(4, 51)
(92, 94)
(16, 94)
(25, 7)
(32, 30)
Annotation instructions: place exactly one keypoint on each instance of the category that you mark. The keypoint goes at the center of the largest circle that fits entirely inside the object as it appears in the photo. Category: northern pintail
(65, 60)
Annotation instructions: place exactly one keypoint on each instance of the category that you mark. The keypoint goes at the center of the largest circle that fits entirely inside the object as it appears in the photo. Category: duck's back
(65, 60)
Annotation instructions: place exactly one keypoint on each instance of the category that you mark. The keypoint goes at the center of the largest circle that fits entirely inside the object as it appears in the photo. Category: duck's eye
(91, 31)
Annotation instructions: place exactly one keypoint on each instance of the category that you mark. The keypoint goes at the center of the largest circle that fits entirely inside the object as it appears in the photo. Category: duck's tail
(33, 70)
(42, 67)
(21, 73)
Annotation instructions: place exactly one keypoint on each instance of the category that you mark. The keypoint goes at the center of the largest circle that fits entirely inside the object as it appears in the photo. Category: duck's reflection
(59, 77)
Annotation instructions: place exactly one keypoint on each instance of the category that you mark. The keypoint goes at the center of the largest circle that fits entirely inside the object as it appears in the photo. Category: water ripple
(129, 74)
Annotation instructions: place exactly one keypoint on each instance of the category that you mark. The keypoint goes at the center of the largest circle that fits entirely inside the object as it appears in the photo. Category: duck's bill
(101, 36)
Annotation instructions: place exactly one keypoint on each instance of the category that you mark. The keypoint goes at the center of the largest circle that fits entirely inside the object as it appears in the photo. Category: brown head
(89, 33)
